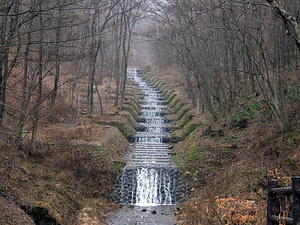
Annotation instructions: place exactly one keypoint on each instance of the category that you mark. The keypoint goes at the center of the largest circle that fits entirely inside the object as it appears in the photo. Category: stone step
(149, 147)
(154, 121)
(150, 150)
(153, 107)
(153, 118)
(146, 160)
(154, 103)
(139, 156)
(159, 123)
(145, 155)
(149, 157)
(144, 163)
(150, 164)
(152, 114)
(160, 98)
(150, 90)
(152, 134)
(150, 140)
(155, 165)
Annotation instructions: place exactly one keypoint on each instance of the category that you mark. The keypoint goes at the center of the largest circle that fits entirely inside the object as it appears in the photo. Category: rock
(172, 153)
(187, 173)
(243, 123)
(153, 212)
(86, 217)
(170, 146)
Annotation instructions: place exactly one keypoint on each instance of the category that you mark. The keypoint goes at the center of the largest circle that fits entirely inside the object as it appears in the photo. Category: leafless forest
(225, 49)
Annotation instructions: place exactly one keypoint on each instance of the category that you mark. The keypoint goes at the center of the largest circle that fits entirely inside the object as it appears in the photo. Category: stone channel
(150, 184)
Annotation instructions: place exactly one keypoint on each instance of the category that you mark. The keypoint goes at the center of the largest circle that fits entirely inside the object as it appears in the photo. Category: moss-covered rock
(177, 107)
(131, 120)
(135, 105)
(152, 80)
(156, 83)
(175, 139)
(170, 94)
(125, 128)
(160, 86)
(164, 89)
(131, 110)
(174, 100)
(184, 119)
(188, 128)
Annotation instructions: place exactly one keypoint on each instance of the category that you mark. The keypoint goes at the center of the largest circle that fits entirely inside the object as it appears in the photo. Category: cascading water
(150, 176)
(153, 188)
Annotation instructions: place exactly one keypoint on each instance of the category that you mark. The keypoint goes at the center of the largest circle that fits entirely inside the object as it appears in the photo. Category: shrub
(219, 211)
(241, 118)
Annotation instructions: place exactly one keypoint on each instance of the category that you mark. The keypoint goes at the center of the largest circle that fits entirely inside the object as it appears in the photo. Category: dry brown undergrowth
(235, 192)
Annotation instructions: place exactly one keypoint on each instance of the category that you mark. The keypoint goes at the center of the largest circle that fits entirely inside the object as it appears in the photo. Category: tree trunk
(126, 50)
(7, 34)
(3, 61)
(100, 99)
(24, 95)
(91, 82)
(57, 60)
(288, 19)
(118, 34)
(40, 82)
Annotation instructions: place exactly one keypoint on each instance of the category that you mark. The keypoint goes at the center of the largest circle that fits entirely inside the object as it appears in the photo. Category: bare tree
(132, 12)
(9, 28)
(57, 56)
(98, 26)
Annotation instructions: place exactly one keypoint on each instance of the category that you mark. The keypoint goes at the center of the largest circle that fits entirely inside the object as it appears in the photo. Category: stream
(150, 184)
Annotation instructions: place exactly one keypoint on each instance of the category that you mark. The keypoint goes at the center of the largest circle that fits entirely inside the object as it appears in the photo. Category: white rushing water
(153, 188)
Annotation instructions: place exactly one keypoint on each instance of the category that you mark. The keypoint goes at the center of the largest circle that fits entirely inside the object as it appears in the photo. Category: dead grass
(220, 210)
(62, 178)
(12, 214)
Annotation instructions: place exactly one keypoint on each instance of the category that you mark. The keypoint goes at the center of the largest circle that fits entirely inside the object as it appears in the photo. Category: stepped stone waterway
(150, 183)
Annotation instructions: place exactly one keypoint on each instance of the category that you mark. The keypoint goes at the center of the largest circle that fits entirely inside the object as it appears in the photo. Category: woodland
(229, 69)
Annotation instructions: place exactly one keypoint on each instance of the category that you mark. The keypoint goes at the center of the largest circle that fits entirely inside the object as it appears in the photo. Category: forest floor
(229, 161)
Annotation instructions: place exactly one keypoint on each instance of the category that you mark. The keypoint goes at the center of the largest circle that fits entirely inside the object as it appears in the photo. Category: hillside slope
(228, 161)
(68, 179)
